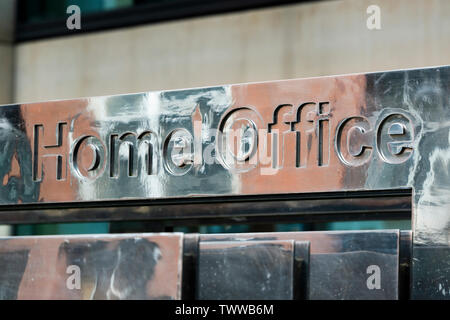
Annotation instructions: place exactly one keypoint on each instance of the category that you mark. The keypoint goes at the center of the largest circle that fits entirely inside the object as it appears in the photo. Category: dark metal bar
(302, 254)
(190, 258)
(248, 210)
(404, 280)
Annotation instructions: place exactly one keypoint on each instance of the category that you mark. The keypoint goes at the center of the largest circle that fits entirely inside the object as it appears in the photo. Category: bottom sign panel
(432, 280)
(343, 265)
(252, 270)
(132, 266)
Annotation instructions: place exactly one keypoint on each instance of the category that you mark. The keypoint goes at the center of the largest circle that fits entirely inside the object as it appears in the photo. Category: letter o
(83, 166)
(237, 139)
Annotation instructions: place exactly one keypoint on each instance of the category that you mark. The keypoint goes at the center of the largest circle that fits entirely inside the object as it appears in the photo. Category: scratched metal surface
(339, 261)
(108, 267)
(376, 131)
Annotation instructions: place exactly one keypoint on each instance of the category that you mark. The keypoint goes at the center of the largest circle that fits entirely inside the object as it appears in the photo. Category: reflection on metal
(252, 270)
(288, 208)
(136, 266)
(432, 282)
(342, 264)
(376, 131)
(291, 265)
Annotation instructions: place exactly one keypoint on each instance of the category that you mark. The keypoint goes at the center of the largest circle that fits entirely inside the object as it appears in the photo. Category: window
(47, 18)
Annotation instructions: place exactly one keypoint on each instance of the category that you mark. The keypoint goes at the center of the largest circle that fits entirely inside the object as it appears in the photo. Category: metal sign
(358, 132)
(340, 265)
(252, 270)
(100, 267)
(352, 132)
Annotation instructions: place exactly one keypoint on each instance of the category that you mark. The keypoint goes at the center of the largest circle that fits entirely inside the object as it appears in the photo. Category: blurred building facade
(279, 42)
(298, 40)
(7, 22)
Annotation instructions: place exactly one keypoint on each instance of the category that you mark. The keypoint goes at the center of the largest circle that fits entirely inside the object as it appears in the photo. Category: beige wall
(302, 40)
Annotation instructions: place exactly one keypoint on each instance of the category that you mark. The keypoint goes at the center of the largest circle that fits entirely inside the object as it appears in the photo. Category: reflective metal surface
(130, 266)
(376, 131)
(313, 207)
(342, 264)
(404, 280)
(251, 270)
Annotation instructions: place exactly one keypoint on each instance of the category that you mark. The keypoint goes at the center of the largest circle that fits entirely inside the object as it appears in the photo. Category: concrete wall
(304, 40)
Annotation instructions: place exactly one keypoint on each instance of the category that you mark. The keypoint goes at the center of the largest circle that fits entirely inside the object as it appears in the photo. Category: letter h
(49, 158)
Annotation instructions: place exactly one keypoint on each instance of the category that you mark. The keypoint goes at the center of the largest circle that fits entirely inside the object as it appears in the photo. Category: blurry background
(129, 46)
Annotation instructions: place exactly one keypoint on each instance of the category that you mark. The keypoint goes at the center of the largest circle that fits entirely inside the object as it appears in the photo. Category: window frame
(136, 15)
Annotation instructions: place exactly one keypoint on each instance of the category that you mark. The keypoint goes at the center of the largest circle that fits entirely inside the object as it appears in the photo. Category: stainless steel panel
(376, 131)
(345, 133)
(129, 266)
(431, 277)
(230, 270)
(343, 265)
